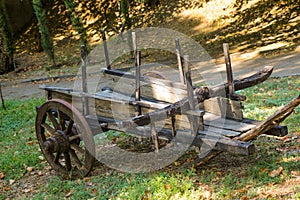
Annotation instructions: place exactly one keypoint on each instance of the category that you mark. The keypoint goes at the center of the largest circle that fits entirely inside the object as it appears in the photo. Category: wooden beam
(179, 61)
(271, 121)
(107, 61)
(228, 69)
(243, 83)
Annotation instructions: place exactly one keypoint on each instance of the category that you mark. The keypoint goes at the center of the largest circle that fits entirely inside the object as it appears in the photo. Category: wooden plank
(226, 124)
(152, 89)
(271, 121)
(278, 130)
(104, 102)
(224, 107)
(207, 140)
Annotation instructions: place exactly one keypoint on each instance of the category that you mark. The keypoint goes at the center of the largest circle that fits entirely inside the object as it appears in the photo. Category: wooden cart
(68, 121)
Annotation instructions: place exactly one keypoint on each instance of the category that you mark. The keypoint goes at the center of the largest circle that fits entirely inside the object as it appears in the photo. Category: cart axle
(58, 143)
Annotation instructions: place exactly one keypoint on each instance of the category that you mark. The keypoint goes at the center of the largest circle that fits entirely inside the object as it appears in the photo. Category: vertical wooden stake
(2, 99)
(173, 120)
(228, 69)
(138, 80)
(134, 44)
(85, 103)
(154, 137)
(105, 50)
(188, 80)
(179, 60)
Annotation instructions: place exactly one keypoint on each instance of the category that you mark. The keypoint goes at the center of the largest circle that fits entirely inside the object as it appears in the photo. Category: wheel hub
(58, 143)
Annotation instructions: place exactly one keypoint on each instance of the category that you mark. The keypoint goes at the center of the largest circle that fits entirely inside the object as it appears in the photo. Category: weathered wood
(153, 88)
(85, 101)
(271, 121)
(278, 130)
(167, 112)
(263, 127)
(193, 119)
(154, 137)
(223, 107)
(137, 80)
(179, 61)
(243, 83)
(107, 61)
(228, 69)
(168, 91)
(200, 94)
(219, 122)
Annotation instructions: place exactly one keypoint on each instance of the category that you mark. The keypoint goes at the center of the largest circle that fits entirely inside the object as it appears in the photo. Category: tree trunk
(5, 65)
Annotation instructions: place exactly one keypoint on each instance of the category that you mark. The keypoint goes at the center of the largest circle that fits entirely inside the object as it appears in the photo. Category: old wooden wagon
(68, 121)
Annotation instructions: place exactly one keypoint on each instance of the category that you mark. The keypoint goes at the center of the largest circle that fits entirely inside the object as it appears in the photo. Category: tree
(46, 40)
(6, 42)
(76, 22)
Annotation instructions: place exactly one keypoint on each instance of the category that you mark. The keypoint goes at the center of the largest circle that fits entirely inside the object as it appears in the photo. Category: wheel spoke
(74, 137)
(75, 158)
(56, 159)
(61, 120)
(53, 120)
(70, 126)
(68, 161)
(77, 148)
(48, 128)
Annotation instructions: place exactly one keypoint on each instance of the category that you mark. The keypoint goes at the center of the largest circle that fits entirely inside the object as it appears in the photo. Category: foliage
(8, 40)
(76, 21)
(46, 40)
(125, 11)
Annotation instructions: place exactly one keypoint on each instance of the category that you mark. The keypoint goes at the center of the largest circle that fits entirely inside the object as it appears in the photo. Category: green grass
(17, 137)
(225, 177)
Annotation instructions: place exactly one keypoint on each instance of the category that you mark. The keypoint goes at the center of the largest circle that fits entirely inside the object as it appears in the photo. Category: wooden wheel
(65, 139)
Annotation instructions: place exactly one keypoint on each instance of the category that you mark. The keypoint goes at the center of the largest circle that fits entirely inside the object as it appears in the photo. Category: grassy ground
(271, 173)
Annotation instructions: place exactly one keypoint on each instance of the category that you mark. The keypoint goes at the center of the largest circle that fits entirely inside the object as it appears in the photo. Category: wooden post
(188, 80)
(105, 50)
(85, 103)
(134, 43)
(138, 80)
(173, 120)
(179, 60)
(154, 137)
(2, 99)
(228, 69)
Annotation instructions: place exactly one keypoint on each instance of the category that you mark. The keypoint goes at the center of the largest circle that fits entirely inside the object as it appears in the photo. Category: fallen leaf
(86, 179)
(41, 158)
(27, 190)
(264, 169)
(276, 172)
(2, 176)
(168, 187)
(29, 169)
(244, 197)
(11, 181)
(70, 193)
